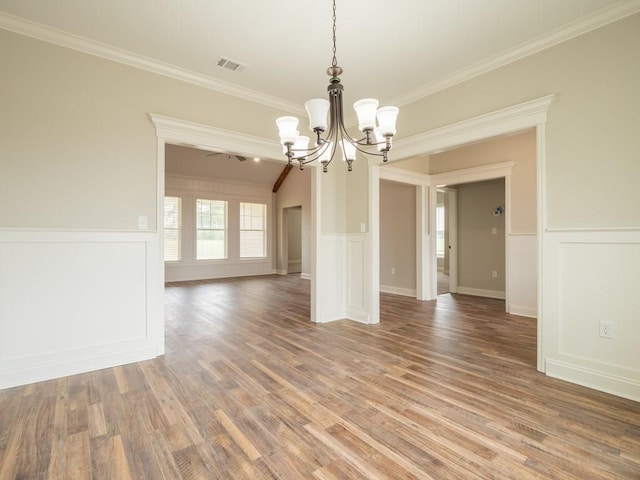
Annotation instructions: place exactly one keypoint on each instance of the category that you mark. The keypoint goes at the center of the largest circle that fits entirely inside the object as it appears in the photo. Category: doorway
(446, 240)
(292, 245)
(471, 239)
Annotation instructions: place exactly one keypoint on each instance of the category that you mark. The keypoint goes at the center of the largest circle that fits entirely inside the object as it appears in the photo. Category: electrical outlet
(494, 274)
(606, 329)
(393, 270)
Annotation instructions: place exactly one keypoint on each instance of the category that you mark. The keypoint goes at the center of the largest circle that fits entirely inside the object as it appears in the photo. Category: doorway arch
(532, 114)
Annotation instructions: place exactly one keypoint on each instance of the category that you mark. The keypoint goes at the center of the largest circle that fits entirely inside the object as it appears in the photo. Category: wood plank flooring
(250, 389)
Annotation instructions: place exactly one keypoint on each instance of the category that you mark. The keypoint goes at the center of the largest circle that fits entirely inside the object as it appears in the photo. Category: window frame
(264, 230)
(178, 230)
(196, 230)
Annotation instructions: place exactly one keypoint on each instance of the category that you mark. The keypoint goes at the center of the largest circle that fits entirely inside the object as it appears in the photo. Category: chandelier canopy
(378, 124)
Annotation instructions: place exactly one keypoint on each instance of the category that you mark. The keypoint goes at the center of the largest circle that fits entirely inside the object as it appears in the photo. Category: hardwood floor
(250, 389)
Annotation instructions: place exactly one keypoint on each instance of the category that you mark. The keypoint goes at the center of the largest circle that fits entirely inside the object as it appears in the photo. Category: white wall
(76, 301)
(189, 268)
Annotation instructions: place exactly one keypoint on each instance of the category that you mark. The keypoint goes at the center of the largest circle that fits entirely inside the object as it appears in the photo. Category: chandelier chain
(335, 61)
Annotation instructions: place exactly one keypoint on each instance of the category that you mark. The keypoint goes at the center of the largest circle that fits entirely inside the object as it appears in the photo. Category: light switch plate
(143, 222)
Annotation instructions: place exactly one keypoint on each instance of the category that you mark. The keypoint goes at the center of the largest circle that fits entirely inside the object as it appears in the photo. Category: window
(172, 222)
(253, 226)
(211, 226)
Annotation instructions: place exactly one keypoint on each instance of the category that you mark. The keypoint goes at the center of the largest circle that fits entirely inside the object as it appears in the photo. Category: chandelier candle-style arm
(375, 122)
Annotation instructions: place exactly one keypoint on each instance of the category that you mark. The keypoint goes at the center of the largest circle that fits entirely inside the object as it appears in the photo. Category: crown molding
(591, 22)
(507, 120)
(75, 42)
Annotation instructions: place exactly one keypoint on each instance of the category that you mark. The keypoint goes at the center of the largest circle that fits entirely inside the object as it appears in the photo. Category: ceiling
(192, 162)
(396, 51)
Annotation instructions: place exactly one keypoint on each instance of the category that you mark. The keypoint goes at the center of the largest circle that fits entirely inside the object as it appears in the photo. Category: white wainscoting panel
(226, 269)
(522, 275)
(481, 292)
(71, 302)
(405, 292)
(593, 276)
(357, 277)
(331, 278)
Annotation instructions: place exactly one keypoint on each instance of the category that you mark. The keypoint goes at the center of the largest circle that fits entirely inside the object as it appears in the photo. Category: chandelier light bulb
(326, 153)
(300, 147)
(366, 111)
(326, 120)
(317, 109)
(287, 129)
(387, 120)
(348, 150)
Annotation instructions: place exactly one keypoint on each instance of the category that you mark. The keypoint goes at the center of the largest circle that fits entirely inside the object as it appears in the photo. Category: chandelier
(377, 124)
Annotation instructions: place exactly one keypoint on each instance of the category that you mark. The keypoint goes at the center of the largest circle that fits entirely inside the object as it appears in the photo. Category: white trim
(475, 174)
(281, 272)
(405, 292)
(480, 292)
(305, 276)
(623, 387)
(541, 192)
(523, 311)
(55, 36)
(507, 120)
(144, 341)
(182, 132)
(52, 35)
(468, 175)
(395, 174)
(584, 25)
(591, 229)
(372, 284)
(532, 114)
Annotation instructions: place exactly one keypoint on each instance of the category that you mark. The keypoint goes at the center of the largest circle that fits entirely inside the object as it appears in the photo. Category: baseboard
(523, 311)
(479, 292)
(281, 272)
(622, 387)
(305, 276)
(405, 292)
(357, 315)
(18, 372)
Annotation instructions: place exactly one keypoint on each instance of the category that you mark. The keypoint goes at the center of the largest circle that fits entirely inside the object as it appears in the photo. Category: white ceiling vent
(230, 64)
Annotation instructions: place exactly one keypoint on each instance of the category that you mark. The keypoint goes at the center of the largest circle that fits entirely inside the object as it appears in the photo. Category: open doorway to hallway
(471, 239)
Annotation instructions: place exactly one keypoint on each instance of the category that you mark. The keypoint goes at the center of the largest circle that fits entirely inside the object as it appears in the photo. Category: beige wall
(357, 194)
(416, 164)
(397, 235)
(295, 191)
(521, 149)
(592, 140)
(78, 147)
(333, 187)
(479, 250)
(294, 239)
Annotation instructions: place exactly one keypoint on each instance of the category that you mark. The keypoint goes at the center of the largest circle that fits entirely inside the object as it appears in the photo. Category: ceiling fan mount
(240, 158)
